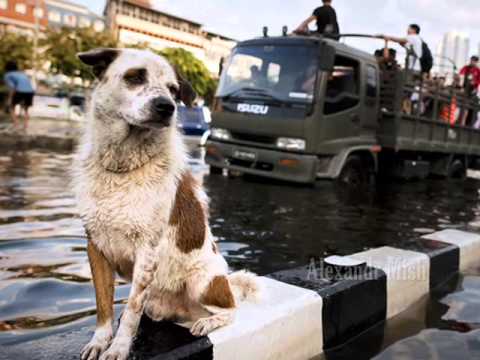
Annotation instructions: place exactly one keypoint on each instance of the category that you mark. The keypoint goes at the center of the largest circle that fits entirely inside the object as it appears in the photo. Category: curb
(303, 312)
(395, 279)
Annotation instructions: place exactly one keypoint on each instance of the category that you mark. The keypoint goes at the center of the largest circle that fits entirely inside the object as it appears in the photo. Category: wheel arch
(368, 154)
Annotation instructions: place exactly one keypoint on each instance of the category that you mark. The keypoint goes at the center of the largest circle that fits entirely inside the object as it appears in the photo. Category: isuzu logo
(253, 109)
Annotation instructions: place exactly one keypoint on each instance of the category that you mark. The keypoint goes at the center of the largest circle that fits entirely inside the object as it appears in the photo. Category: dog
(145, 215)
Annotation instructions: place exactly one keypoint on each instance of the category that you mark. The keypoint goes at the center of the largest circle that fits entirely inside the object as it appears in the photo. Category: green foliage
(193, 70)
(62, 45)
(16, 47)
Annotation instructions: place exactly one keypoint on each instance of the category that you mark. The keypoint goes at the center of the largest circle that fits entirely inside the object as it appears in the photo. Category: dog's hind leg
(103, 280)
(216, 298)
(146, 263)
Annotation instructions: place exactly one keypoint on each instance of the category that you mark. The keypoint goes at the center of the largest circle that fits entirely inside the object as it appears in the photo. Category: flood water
(260, 225)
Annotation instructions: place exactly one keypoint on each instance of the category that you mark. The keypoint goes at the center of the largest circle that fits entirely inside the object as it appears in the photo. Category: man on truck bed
(326, 18)
(414, 44)
(471, 76)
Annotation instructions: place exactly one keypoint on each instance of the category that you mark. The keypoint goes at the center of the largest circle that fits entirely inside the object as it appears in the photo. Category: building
(453, 51)
(18, 16)
(62, 13)
(137, 22)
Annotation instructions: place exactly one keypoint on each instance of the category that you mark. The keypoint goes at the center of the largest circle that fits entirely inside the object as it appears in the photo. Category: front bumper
(273, 164)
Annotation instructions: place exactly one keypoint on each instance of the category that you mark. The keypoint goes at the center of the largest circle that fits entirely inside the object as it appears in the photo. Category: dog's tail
(245, 286)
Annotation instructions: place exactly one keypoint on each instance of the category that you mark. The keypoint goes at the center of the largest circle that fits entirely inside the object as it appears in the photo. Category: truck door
(342, 107)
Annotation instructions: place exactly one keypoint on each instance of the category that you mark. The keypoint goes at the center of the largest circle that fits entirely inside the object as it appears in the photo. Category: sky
(245, 18)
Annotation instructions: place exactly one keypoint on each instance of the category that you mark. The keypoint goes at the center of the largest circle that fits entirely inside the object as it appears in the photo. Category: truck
(302, 108)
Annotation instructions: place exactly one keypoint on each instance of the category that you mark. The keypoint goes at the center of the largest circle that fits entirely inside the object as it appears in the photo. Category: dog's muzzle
(162, 110)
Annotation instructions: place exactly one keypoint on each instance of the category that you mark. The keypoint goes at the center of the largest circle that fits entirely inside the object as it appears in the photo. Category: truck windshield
(268, 72)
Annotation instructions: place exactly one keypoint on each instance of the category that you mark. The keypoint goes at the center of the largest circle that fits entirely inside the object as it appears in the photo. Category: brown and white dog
(145, 214)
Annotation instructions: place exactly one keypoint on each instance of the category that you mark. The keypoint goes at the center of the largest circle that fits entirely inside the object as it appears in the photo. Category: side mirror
(327, 57)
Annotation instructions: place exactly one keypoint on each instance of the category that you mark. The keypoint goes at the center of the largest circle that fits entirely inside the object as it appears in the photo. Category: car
(194, 123)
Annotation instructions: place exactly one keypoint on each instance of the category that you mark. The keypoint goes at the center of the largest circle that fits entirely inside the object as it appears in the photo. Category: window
(342, 90)
(85, 22)
(54, 16)
(21, 8)
(3, 4)
(372, 81)
(271, 73)
(98, 25)
(38, 13)
(70, 20)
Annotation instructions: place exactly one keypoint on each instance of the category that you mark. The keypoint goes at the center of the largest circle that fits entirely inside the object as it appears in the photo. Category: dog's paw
(117, 351)
(94, 348)
(203, 327)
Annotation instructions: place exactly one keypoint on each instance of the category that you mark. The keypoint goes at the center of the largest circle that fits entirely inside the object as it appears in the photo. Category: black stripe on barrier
(154, 341)
(167, 341)
(444, 258)
(351, 305)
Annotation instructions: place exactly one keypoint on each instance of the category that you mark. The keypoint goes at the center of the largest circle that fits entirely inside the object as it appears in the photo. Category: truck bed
(402, 132)
(429, 131)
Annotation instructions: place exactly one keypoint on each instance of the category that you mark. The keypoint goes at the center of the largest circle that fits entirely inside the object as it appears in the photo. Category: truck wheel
(457, 170)
(216, 170)
(354, 173)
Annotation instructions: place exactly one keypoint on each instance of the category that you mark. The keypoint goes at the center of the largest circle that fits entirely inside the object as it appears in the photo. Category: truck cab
(296, 108)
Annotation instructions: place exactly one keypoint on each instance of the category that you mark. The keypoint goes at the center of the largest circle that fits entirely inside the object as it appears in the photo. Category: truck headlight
(220, 134)
(291, 144)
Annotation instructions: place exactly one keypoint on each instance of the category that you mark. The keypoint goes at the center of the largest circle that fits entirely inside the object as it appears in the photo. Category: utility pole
(36, 9)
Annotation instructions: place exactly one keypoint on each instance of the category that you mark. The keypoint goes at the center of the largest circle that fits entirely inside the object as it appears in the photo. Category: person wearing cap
(326, 19)
(471, 76)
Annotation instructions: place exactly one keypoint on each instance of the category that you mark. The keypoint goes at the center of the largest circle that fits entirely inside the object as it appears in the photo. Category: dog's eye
(135, 77)
(173, 90)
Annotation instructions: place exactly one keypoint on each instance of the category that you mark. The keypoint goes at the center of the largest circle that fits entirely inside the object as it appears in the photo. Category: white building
(453, 50)
(137, 22)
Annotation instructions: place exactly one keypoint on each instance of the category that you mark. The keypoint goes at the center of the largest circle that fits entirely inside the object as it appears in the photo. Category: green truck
(302, 108)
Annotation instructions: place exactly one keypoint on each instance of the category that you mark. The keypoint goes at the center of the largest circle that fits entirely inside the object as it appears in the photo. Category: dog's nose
(163, 107)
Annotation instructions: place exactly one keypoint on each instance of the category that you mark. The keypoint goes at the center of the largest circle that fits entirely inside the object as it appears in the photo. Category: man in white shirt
(414, 44)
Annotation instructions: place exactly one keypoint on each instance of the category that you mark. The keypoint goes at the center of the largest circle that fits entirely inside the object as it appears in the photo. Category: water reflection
(285, 226)
(44, 273)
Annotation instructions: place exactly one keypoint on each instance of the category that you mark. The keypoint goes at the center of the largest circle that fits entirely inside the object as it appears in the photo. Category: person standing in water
(20, 93)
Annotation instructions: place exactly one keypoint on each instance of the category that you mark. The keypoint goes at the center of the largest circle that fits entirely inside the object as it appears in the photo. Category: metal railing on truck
(422, 115)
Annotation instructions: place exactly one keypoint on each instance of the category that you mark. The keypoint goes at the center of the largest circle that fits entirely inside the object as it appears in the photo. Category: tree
(193, 70)
(16, 47)
(62, 45)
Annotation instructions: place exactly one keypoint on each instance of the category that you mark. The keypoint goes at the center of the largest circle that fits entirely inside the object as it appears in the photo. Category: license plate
(244, 155)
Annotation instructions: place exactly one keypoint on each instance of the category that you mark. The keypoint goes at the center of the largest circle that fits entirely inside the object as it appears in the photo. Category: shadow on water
(261, 225)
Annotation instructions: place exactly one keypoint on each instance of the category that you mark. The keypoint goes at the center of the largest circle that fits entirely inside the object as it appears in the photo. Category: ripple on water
(263, 226)
(464, 305)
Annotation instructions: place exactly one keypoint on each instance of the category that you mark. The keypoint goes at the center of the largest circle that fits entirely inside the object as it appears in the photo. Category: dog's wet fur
(145, 214)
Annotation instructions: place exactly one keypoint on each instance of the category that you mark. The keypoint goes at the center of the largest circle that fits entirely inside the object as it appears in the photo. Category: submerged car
(194, 123)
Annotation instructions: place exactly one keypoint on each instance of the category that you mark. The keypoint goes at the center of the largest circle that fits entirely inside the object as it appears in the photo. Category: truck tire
(215, 170)
(457, 170)
(354, 172)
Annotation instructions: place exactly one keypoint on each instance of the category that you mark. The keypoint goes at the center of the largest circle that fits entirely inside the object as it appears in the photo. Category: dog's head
(136, 89)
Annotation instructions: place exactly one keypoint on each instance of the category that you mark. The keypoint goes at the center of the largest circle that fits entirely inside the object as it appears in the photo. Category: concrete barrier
(304, 311)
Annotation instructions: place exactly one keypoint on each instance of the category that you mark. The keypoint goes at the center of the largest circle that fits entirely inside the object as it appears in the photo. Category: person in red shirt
(471, 76)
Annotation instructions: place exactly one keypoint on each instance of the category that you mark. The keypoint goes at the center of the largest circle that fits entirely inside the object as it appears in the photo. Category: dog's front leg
(103, 280)
(145, 266)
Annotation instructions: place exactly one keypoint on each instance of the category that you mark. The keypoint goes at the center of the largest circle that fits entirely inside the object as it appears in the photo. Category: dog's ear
(186, 92)
(100, 59)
